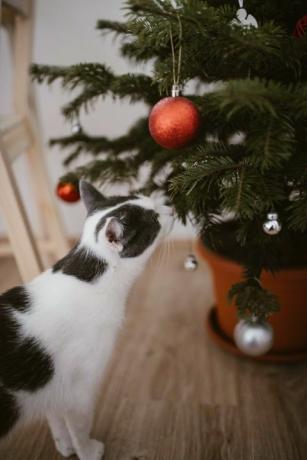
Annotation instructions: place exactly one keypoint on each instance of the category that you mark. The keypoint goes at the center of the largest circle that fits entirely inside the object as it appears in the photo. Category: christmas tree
(243, 178)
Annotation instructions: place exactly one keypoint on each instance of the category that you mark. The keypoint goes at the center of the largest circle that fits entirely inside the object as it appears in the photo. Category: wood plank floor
(170, 394)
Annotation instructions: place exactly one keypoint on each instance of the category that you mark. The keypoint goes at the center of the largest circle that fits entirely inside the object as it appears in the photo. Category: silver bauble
(272, 225)
(76, 127)
(190, 263)
(254, 338)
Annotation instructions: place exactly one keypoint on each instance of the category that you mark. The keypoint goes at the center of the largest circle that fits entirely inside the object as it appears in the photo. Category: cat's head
(124, 226)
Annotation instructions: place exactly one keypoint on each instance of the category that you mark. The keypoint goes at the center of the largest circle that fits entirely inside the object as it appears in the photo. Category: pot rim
(215, 259)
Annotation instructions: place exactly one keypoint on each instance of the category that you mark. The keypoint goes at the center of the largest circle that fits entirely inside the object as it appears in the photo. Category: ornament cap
(176, 90)
(76, 128)
(272, 216)
(190, 263)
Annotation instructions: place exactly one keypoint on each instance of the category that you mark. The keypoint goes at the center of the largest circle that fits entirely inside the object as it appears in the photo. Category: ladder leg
(51, 222)
(25, 105)
(20, 235)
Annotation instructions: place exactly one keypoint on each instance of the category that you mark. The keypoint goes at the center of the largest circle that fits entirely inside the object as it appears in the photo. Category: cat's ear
(114, 233)
(91, 197)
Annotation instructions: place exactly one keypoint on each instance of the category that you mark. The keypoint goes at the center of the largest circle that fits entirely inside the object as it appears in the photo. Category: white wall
(65, 34)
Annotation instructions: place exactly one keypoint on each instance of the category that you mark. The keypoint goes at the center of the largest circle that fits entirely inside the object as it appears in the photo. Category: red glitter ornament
(301, 27)
(174, 122)
(68, 191)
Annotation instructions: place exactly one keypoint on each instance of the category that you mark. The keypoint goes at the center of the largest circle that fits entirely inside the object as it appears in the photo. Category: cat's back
(77, 320)
(61, 296)
(66, 310)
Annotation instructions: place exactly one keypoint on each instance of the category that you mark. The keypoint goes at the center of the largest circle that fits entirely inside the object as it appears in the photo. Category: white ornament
(172, 2)
(272, 225)
(76, 128)
(254, 338)
(243, 18)
(190, 263)
(295, 195)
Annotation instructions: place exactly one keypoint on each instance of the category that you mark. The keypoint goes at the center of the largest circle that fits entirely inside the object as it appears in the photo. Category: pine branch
(252, 299)
(112, 26)
(270, 143)
(90, 75)
(252, 96)
(298, 213)
(136, 139)
(95, 80)
(104, 171)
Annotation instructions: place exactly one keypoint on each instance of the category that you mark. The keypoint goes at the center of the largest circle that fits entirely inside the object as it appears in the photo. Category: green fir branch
(119, 28)
(95, 81)
(135, 140)
(252, 300)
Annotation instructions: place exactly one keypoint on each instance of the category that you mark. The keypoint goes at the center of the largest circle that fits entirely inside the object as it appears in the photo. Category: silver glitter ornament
(76, 127)
(254, 338)
(272, 225)
(190, 263)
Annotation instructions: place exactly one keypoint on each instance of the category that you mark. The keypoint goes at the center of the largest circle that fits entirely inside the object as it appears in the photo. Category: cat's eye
(124, 221)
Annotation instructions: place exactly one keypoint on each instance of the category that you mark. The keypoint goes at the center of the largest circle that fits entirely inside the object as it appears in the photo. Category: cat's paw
(64, 447)
(93, 451)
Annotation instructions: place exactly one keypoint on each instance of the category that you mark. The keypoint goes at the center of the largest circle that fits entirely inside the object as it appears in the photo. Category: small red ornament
(68, 191)
(301, 27)
(174, 122)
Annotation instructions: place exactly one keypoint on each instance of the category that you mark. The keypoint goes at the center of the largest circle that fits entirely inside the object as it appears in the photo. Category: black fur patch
(81, 264)
(110, 202)
(24, 364)
(17, 298)
(141, 227)
(9, 411)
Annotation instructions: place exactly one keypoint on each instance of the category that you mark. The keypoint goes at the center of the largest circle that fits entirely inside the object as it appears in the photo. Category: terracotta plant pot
(289, 324)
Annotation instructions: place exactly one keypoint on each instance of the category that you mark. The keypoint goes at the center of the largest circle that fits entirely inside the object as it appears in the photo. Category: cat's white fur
(77, 323)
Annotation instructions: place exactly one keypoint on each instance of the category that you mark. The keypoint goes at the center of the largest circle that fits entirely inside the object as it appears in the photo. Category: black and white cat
(58, 331)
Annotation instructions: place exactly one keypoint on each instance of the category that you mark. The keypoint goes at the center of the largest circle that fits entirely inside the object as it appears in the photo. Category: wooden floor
(170, 394)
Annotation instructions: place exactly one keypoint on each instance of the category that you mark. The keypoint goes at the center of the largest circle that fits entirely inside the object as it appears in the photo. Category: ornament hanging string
(176, 75)
(190, 244)
(191, 262)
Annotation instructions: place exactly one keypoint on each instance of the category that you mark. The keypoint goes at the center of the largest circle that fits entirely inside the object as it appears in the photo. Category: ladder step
(14, 136)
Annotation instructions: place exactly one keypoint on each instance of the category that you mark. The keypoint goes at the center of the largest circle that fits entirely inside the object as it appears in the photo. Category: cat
(58, 331)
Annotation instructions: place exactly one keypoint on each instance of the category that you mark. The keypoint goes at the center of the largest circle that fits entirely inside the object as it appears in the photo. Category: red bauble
(301, 27)
(174, 122)
(68, 191)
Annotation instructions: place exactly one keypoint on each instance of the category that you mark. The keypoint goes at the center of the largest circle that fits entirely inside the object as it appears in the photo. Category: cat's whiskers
(172, 247)
(168, 251)
(158, 259)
